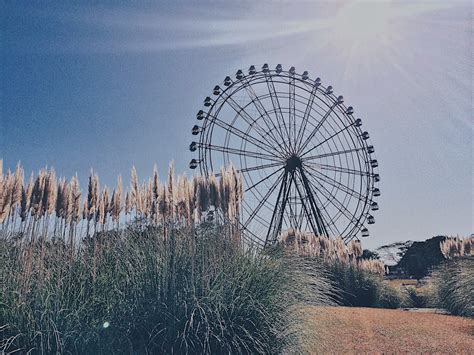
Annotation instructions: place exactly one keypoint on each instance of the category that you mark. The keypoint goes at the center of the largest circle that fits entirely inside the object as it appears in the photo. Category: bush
(357, 287)
(391, 296)
(453, 282)
(361, 287)
(416, 300)
(422, 296)
(152, 292)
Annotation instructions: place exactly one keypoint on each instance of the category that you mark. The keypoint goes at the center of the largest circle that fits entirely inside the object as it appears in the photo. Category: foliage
(422, 257)
(48, 206)
(392, 253)
(330, 250)
(457, 247)
(422, 296)
(139, 291)
(369, 254)
(391, 296)
(358, 288)
(361, 287)
(359, 281)
(453, 282)
(160, 268)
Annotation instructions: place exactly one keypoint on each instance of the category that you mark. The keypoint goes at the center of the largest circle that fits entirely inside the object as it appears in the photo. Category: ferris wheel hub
(292, 163)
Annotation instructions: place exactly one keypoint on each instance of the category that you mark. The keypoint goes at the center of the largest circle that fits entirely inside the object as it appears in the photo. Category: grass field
(372, 330)
(403, 282)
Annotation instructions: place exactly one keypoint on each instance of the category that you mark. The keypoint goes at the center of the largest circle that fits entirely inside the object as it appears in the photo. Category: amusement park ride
(306, 162)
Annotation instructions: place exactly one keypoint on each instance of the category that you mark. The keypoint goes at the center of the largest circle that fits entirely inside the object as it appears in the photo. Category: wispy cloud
(115, 30)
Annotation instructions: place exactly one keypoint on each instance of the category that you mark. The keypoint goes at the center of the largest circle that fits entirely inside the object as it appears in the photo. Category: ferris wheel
(306, 162)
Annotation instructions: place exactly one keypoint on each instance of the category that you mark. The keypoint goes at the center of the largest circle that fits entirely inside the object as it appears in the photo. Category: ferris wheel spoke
(241, 134)
(333, 199)
(276, 106)
(259, 167)
(247, 118)
(341, 152)
(338, 169)
(298, 216)
(340, 186)
(254, 236)
(318, 126)
(327, 139)
(300, 220)
(263, 201)
(291, 109)
(264, 179)
(307, 114)
(240, 152)
(263, 112)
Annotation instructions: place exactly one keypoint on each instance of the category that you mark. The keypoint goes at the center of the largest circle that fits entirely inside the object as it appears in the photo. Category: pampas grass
(457, 247)
(453, 283)
(151, 273)
(359, 281)
(331, 251)
(46, 201)
(188, 293)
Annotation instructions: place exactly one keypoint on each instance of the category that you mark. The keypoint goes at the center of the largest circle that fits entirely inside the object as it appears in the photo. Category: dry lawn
(375, 331)
(403, 282)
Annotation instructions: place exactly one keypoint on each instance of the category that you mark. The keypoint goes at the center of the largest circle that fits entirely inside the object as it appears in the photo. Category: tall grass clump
(139, 292)
(48, 206)
(453, 281)
(148, 273)
(359, 281)
(454, 286)
(457, 247)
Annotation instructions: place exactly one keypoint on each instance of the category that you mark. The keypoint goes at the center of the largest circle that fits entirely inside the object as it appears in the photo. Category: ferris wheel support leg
(282, 212)
(277, 216)
(314, 208)
(308, 214)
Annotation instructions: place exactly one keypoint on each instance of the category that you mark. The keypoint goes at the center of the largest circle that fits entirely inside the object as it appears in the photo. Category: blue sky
(110, 86)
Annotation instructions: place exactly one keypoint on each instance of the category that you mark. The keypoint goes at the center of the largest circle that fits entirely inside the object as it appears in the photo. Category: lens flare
(362, 21)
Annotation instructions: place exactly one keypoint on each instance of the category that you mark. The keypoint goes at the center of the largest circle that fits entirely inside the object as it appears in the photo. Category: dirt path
(371, 330)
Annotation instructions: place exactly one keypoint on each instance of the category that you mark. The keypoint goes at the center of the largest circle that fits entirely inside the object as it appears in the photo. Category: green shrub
(391, 296)
(360, 287)
(356, 287)
(454, 286)
(422, 296)
(416, 300)
(152, 292)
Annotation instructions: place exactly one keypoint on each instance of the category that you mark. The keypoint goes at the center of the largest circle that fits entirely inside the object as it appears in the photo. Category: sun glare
(362, 21)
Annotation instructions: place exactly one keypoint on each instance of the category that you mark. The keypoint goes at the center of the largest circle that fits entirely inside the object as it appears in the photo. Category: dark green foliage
(391, 296)
(415, 298)
(422, 257)
(454, 286)
(357, 287)
(369, 254)
(361, 288)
